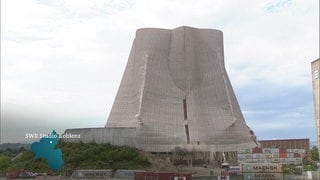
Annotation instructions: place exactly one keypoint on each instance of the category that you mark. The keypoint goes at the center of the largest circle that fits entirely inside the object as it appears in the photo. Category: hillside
(101, 156)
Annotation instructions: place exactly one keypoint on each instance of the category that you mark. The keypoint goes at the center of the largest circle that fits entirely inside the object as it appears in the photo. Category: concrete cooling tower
(175, 93)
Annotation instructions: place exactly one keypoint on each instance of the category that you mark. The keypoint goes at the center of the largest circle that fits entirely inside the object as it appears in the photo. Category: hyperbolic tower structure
(175, 92)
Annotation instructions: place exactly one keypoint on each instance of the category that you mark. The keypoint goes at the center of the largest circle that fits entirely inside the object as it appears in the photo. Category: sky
(62, 60)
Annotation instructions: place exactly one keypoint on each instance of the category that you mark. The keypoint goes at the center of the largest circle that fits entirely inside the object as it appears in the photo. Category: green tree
(4, 163)
(314, 153)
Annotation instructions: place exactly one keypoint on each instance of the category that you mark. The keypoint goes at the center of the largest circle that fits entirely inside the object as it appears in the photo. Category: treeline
(12, 152)
(5, 146)
(78, 156)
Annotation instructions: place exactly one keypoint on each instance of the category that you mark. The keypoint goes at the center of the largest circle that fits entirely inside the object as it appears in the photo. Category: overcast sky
(62, 60)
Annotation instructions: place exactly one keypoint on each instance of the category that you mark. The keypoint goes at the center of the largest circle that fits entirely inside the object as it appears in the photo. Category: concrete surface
(175, 93)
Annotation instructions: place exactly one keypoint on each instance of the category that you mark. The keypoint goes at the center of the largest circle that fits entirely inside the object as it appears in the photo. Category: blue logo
(45, 148)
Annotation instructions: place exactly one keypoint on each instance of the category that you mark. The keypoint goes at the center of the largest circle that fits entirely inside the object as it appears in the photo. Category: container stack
(262, 171)
(271, 155)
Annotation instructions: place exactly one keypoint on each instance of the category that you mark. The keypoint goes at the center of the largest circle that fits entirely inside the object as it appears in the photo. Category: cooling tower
(175, 92)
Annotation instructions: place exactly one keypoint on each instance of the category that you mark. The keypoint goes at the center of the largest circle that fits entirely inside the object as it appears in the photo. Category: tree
(4, 163)
(314, 153)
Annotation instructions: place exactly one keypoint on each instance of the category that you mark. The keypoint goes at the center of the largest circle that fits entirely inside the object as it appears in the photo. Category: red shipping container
(282, 150)
(256, 150)
(163, 176)
(283, 155)
(144, 176)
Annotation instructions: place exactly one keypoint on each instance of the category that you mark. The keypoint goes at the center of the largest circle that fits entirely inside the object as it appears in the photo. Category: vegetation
(4, 162)
(97, 156)
(15, 159)
(292, 169)
(12, 152)
(77, 156)
(25, 160)
(314, 153)
(28, 162)
(312, 165)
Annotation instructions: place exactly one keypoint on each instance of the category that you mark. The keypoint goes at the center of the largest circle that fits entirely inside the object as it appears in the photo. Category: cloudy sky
(62, 60)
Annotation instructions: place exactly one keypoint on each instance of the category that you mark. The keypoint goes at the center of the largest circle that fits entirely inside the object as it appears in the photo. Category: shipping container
(257, 156)
(93, 173)
(283, 155)
(263, 176)
(183, 177)
(289, 150)
(256, 150)
(248, 151)
(270, 150)
(124, 174)
(261, 167)
(283, 160)
(301, 151)
(282, 150)
(296, 161)
(275, 160)
(290, 155)
(244, 151)
(296, 155)
(299, 160)
(291, 161)
(251, 161)
(262, 161)
(163, 176)
(233, 171)
(143, 175)
(247, 156)
(267, 156)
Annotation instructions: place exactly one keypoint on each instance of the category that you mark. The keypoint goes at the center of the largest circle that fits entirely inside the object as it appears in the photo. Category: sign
(261, 168)
(263, 176)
